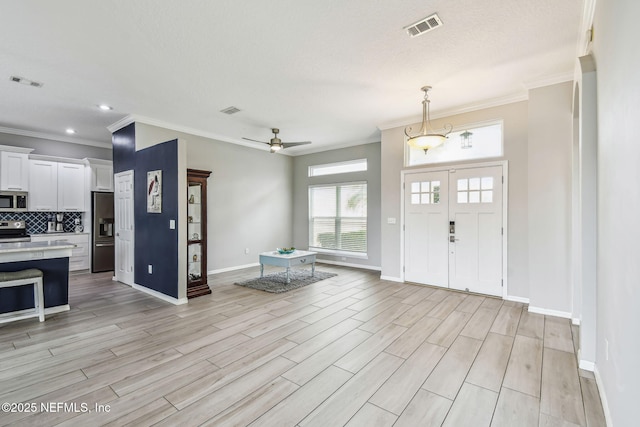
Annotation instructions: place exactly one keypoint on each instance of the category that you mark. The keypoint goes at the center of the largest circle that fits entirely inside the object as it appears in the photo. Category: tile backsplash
(37, 221)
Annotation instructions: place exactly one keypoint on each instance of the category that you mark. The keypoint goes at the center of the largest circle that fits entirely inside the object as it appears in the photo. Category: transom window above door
(425, 192)
(475, 141)
(475, 190)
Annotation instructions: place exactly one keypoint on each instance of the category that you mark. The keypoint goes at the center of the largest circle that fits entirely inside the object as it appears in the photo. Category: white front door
(426, 218)
(453, 229)
(124, 224)
(475, 215)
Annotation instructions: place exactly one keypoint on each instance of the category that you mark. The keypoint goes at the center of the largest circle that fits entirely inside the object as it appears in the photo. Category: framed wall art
(154, 191)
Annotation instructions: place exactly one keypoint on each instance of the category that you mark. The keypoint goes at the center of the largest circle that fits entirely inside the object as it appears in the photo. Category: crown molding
(549, 80)
(467, 108)
(53, 137)
(585, 32)
(134, 118)
(125, 121)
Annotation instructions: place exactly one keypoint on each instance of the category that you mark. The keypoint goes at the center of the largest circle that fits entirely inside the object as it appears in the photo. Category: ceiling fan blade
(254, 140)
(293, 144)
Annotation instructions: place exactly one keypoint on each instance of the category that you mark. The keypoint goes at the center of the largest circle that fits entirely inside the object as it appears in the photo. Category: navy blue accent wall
(155, 243)
(55, 279)
(124, 148)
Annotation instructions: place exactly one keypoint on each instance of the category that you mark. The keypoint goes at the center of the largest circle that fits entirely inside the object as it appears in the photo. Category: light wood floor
(351, 350)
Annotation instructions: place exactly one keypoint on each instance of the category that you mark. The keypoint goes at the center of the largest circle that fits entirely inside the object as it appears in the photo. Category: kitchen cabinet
(14, 171)
(101, 174)
(70, 187)
(43, 175)
(56, 186)
(197, 233)
(79, 259)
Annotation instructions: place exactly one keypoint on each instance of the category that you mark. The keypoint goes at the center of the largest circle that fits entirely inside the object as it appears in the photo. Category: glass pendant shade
(426, 142)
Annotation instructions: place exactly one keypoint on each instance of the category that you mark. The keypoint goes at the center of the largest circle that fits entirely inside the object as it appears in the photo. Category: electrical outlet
(150, 269)
(246, 251)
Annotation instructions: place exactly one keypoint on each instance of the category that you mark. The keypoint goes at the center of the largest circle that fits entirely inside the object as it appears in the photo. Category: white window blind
(338, 217)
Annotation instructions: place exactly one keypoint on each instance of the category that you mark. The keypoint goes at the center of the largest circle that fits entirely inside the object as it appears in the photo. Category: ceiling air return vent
(425, 25)
(24, 81)
(230, 110)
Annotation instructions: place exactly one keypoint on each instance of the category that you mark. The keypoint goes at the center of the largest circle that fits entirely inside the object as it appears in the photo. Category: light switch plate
(172, 224)
(391, 220)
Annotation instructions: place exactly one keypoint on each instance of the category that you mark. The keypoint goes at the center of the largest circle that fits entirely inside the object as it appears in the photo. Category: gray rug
(277, 282)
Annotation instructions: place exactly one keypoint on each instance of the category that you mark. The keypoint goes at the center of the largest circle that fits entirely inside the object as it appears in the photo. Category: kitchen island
(52, 258)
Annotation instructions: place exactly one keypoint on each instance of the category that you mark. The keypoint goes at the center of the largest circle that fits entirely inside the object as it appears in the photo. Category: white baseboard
(57, 309)
(587, 365)
(548, 312)
(517, 299)
(391, 279)
(237, 267)
(159, 295)
(347, 264)
(575, 321)
(603, 397)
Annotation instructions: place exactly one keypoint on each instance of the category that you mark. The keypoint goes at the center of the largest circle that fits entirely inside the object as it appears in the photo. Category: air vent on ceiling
(230, 110)
(24, 81)
(425, 25)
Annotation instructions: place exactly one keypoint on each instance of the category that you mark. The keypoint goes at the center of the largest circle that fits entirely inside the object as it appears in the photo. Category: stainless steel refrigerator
(103, 242)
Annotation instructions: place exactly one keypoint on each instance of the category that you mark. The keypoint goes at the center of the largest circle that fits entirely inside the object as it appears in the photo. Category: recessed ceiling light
(70, 131)
(105, 107)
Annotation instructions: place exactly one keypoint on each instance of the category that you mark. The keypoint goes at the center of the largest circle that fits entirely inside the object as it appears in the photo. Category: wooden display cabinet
(197, 233)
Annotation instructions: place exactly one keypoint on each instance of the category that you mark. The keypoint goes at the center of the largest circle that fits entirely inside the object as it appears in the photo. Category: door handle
(453, 239)
(100, 245)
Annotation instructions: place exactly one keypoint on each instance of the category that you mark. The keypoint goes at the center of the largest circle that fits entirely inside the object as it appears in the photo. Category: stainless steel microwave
(13, 201)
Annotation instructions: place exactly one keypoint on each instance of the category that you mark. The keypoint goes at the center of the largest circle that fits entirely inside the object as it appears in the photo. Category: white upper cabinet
(101, 177)
(14, 171)
(71, 187)
(43, 176)
(56, 186)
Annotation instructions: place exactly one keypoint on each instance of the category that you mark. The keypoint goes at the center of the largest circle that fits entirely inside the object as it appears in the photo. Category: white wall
(515, 117)
(301, 180)
(249, 196)
(616, 54)
(549, 184)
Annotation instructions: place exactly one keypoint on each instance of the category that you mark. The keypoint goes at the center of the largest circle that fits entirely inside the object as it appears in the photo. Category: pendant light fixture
(427, 138)
(465, 139)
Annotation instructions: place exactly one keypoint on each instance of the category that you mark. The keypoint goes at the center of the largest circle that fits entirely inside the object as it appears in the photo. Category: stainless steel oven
(13, 201)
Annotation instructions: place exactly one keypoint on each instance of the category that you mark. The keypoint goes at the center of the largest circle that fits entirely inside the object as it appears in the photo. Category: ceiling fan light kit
(275, 144)
(427, 138)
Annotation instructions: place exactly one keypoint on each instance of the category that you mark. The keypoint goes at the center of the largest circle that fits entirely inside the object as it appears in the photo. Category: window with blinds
(338, 217)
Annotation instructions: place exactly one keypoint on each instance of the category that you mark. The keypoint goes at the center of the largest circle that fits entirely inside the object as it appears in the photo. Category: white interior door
(453, 229)
(426, 225)
(124, 224)
(475, 246)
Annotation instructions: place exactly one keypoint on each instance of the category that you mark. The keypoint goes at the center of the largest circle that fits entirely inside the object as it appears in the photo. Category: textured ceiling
(330, 71)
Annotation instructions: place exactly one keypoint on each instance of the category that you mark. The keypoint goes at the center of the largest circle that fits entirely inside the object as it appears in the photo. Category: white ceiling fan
(276, 143)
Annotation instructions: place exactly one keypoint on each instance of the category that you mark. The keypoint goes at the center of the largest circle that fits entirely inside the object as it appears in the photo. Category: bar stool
(32, 276)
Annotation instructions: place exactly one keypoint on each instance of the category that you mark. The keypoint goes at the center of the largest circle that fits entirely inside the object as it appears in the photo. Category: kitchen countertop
(6, 248)
(66, 233)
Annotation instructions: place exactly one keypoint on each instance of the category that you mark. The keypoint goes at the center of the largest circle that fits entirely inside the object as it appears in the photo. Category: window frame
(459, 128)
(312, 168)
(337, 220)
